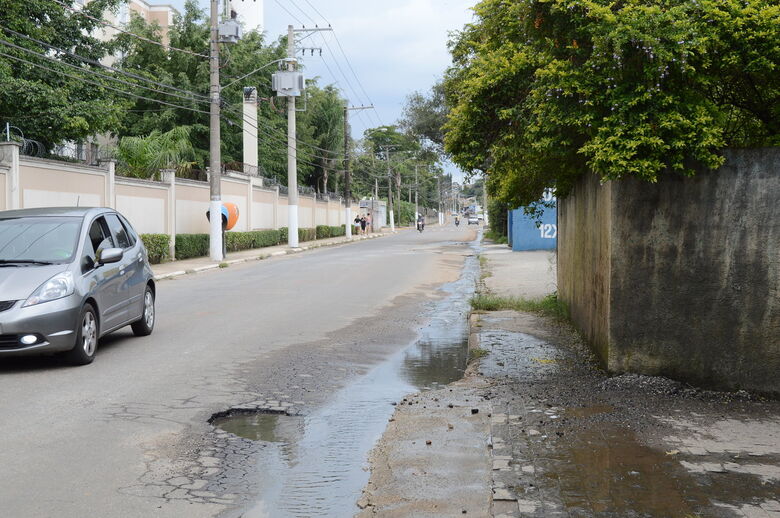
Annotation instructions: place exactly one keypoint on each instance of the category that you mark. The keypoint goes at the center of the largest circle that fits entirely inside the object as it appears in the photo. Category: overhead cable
(105, 23)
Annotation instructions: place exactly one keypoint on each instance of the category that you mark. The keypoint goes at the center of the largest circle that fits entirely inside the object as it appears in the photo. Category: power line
(100, 65)
(133, 84)
(349, 64)
(81, 78)
(143, 38)
(95, 83)
(289, 12)
(304, 12)
(105, 76)
(316, 11)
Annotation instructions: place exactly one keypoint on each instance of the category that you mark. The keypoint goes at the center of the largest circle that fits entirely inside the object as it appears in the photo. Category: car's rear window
(44, 239)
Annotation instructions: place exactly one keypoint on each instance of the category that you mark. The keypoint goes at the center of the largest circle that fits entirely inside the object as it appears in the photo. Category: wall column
(250, 189)
(276, 208)
(169, 177)
(9, 153)
(250, 131)
(110, 165)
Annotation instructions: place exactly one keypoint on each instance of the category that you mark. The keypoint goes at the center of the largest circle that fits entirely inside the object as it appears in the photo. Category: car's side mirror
(109, 255)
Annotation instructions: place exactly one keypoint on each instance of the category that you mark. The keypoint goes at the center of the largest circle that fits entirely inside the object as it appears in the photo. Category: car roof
(81, 212)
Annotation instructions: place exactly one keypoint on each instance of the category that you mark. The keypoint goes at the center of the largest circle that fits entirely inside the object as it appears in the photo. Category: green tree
(542, 91)
(425, 114)
(45, 103)
(144, 157)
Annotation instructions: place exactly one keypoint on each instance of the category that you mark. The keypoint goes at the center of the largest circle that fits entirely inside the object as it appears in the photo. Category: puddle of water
(588, 411)
(276, 428)
(606, 470)
(316, 465)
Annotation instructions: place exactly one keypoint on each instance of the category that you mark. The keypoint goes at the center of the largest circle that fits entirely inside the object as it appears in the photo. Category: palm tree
(144, 157)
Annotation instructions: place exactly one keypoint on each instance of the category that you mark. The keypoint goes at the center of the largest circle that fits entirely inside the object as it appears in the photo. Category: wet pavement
(314, 463)
(565, 443)
(562, 439)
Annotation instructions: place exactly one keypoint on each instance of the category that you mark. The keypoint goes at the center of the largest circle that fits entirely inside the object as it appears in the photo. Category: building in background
(526, 232)
(250, 14)
(161, 14)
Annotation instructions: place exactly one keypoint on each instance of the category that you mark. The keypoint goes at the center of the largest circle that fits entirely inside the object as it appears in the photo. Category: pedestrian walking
(363, 223)
(369, 221)
(356, 224)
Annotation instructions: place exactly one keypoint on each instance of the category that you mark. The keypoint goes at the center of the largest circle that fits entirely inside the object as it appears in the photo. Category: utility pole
(292, 151)
(438, 188)
(390, 191)
(416, 192)
(485, 207)
(215, 160)
(347, 194)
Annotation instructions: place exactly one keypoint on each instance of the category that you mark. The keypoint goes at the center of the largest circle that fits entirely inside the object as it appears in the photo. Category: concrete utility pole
(390, 192)
(485, 206)
(347, 193)
(215, 159)
(438, 188)
(292, 151)
(416, 192)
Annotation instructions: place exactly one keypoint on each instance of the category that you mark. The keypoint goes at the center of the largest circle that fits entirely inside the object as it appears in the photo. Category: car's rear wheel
(145, 325)
(84, 350)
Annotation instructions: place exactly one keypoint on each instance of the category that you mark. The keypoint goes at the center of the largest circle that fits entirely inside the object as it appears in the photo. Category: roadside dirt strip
(536, 429)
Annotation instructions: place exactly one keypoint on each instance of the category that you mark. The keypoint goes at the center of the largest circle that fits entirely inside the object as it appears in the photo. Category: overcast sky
(395, 47)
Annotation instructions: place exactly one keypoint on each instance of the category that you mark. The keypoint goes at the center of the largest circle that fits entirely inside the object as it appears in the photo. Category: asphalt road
(128, 435)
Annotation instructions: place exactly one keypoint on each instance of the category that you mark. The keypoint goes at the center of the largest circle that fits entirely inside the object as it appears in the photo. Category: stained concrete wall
(583, 259)
(691, 268)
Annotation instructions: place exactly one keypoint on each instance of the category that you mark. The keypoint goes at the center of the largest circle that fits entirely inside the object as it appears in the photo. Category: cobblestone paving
(564, 446)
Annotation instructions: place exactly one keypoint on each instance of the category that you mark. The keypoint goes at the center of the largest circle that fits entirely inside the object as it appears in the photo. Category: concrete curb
(261, 256)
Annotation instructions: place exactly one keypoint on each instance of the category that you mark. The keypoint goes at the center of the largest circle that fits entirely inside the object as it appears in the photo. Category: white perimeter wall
(176, 206)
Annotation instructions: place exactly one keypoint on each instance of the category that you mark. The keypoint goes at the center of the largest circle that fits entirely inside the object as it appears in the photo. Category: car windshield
(38, 239)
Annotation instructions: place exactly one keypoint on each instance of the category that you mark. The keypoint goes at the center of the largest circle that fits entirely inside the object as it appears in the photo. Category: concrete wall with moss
(692, 272)
(583, 259)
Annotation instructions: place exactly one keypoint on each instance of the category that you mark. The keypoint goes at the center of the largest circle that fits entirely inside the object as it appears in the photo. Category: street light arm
(252, 72)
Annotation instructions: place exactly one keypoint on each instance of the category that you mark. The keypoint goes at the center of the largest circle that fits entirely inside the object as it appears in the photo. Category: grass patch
(496, 237)
(223, 265)
(477, 353)
(548, 306)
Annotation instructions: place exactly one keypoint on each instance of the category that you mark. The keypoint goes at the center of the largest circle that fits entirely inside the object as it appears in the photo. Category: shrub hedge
(191, 245)
(236, 241)
(325, 231)
(157, 246)
(197, 245)
(304, 234)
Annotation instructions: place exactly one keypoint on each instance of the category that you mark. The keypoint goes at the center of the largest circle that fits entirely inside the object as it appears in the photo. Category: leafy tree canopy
(44, 101)
(425, 114)
(543, 90)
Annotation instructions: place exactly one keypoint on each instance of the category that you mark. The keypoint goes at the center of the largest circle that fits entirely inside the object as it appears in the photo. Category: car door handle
(121, 272)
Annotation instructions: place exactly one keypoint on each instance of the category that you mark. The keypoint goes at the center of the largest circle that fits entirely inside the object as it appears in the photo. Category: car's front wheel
(84, 350)
(145, 325)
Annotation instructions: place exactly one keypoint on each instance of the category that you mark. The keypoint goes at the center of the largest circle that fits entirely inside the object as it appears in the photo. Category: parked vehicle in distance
(473, 220)
(69, 276)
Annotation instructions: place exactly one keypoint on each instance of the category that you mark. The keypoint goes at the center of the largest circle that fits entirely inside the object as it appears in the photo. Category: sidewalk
(544, 433)
(200, 264)
(569, 441)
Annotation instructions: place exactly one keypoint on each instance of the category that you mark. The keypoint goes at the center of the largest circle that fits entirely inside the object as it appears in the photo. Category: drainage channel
(315, 465)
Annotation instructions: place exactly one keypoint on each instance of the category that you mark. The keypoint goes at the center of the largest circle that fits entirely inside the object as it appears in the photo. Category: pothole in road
(314, 465)
(274, 428)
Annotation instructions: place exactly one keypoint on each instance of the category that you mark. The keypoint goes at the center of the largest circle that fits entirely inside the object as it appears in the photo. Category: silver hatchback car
(69, 276)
